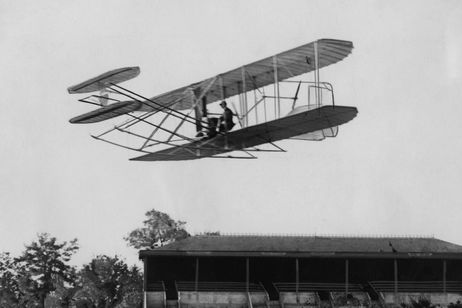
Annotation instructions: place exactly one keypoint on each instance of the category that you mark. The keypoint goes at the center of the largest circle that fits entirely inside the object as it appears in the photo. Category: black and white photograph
(231, 154)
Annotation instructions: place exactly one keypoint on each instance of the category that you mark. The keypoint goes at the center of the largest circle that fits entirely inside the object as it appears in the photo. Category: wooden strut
(164, 129)
(270, 142)
(158, 109)
(170, 113)
(119, 145)
(235, 157)
(128, 123)
(137, 149)
(145, 144)
(171, 110)
(167, 143)
(198, 100)
(154, 140)
(181, 114)
(173, 133)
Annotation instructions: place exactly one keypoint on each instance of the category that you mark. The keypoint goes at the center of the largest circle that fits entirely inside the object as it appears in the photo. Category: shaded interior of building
(299, 282)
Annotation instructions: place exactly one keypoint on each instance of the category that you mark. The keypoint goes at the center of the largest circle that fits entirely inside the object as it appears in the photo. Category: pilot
(226, 119)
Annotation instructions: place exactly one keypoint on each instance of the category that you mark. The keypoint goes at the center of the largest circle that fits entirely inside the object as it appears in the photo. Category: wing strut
(127, 123)
(196, 103)
(160, 108)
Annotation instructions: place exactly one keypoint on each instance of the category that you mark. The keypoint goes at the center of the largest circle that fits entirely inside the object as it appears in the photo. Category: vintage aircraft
(177, 125)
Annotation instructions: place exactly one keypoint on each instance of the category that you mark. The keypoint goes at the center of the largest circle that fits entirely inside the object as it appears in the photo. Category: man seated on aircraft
(226, 119)
(212, 127)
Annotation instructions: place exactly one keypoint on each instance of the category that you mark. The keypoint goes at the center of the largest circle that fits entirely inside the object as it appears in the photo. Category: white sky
(395, 169)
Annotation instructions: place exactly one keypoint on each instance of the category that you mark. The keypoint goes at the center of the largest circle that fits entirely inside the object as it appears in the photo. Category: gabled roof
(308, 246)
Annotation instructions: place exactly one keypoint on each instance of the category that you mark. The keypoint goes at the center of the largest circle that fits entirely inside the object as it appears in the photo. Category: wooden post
(145, 283)
(197, 109)
(277, 110)
(395, 269)
(444, 280)
(297, 279)
(346, 276)
(247, 274)
(196, 278)
(222, 88)
(316, 74)
(244, 97)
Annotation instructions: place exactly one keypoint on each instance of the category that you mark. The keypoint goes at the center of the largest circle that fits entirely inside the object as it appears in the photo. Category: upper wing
(258, 74)
(255, 75)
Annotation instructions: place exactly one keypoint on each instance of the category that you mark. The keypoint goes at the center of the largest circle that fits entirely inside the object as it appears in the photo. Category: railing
(317, 286)
(156, 286)
(219, 286)
(418, 286)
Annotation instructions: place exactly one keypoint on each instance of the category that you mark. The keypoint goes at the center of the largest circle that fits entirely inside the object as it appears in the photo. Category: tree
(42, 265)
(10, 294)
(159, 229)
(109, 282)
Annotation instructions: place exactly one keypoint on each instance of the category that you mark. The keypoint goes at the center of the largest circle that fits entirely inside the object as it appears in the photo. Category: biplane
(271, 100)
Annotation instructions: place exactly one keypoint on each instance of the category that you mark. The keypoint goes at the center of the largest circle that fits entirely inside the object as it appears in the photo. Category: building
(302, 271)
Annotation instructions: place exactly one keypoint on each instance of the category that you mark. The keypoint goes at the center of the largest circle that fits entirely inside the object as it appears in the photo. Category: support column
(297, 279)
(444, 281)
(256, 106)
(316, 74)
(346, 276)
(222, 88)
(197, 109)
(196, 277)
(244, 97)
(395, 270)
(247, 274)
(204, 106)
(241, 104)
(277, 107)
(145, 282)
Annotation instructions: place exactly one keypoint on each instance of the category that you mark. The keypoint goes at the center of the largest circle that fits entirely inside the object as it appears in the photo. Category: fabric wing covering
(105, 80)
(255, 75)
(106, 112)
(258, 74)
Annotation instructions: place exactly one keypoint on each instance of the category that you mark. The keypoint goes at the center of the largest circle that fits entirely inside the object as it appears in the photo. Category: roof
(308, 246)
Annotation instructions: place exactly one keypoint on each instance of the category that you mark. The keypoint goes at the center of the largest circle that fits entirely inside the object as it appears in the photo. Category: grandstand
(302, 271)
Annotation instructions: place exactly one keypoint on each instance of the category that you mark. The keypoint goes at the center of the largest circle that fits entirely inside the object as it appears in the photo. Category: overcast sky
(395, 169)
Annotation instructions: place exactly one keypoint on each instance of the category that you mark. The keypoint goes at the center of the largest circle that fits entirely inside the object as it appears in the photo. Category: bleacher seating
(308, 294)
(418, 286)
(304, 294)
(436, 292)
(221, 294)
(155, 295)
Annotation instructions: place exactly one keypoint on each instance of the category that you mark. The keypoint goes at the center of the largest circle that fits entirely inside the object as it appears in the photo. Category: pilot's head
(223, 104)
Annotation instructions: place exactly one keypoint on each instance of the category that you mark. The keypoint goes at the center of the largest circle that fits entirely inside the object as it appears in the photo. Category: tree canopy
(42, 266)
(159, 229)
(109, 282)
